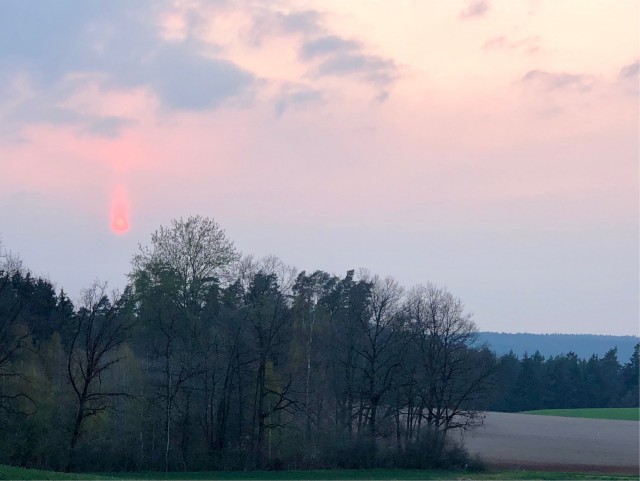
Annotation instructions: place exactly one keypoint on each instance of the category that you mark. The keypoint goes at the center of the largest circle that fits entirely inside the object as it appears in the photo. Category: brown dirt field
(552, 443)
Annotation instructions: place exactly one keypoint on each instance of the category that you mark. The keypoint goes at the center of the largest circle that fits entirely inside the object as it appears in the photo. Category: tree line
(583, 345)
(566, 381)
(212, 360)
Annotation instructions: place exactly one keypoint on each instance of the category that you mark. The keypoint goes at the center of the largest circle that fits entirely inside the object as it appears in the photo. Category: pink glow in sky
(119, 211)
(489, 146)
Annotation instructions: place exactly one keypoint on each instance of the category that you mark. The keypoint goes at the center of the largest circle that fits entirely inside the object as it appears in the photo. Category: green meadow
(626, 414)
(9, 472)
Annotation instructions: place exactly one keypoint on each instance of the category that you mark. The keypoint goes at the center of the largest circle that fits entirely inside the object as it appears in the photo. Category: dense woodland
(584, 345)
(211, 360)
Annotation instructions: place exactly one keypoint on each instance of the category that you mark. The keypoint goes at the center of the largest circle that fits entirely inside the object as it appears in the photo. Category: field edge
(17, 473)
(613, 414)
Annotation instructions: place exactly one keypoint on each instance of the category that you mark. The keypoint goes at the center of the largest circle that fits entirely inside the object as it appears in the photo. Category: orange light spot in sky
(119, 212)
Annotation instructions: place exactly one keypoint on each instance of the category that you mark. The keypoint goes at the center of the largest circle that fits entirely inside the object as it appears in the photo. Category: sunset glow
(119, 212)
(487, 145)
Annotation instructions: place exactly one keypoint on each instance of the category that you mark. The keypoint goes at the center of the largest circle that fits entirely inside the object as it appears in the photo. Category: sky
(487, 146)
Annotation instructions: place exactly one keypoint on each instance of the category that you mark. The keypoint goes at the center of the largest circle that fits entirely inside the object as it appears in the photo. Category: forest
(213, 360)
(584, 345)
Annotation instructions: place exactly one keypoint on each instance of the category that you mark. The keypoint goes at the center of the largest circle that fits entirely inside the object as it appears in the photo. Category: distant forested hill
(584, 345)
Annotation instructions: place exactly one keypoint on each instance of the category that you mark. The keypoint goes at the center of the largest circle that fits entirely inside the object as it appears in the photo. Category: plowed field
(528, 441)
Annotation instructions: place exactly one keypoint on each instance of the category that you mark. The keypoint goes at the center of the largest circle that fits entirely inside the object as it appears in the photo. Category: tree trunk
(167, 424)
(75, 435)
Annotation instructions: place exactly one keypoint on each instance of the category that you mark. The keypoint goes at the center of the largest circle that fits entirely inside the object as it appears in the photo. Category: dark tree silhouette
(101, 328)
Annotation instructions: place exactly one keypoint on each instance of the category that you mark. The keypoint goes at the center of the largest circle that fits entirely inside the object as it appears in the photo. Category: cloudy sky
(488, 146)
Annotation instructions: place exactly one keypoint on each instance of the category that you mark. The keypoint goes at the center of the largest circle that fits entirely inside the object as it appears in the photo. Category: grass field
(8, 472)
(625, 414)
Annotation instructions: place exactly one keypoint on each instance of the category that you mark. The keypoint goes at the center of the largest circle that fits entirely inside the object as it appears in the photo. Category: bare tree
(100, 330)
(449, 380)
(10, 262)
(380, 351)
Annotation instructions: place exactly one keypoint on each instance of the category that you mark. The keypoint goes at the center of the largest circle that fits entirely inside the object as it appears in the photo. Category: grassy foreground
(8, 472)
(625, 414)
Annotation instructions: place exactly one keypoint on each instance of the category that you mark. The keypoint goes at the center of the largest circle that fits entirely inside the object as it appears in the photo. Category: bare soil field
(527, 441)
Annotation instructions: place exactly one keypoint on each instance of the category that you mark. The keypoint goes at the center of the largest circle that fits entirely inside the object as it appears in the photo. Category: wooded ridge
(211, 360)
